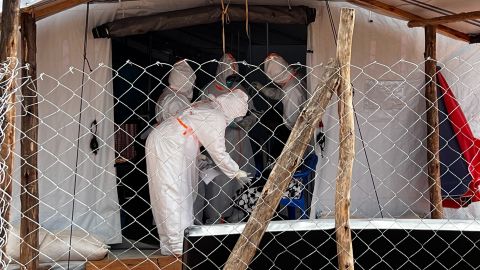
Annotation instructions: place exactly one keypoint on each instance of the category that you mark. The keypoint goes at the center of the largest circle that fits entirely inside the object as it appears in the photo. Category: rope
(246, 19)
(224, 14)
(334, 32)
(85, 61)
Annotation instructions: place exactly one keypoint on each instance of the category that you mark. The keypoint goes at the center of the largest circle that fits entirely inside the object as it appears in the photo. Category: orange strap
(185, 126)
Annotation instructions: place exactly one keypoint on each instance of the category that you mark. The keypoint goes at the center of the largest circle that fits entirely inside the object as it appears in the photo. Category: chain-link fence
(129, 157)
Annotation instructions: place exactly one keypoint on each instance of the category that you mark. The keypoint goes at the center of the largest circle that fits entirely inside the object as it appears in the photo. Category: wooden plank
(433, 133)
(163, 262)
(29, 224)
(287, 163)
(43, 10)
(465, 16)
(346, 154)
(8, 48)
(393, 11)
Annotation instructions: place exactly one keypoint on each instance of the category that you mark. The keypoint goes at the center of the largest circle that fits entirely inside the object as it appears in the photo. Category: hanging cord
(246, 19)
(334, 32)
(85, 62)
(226, 19)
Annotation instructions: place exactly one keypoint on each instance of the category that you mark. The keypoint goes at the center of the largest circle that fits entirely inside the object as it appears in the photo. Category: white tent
(386, 50)
(400, 179)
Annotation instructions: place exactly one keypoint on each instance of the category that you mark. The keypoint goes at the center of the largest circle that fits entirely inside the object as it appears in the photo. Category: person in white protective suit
(177, 96)
(291, 91)
(171, 153)
(216, 203)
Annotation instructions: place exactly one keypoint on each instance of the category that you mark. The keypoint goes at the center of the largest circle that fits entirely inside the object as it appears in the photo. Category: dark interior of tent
(140, 78)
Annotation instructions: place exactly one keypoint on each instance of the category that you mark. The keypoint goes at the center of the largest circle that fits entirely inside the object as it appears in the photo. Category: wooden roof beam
(393, 11)
(45, 9)
(445, 19)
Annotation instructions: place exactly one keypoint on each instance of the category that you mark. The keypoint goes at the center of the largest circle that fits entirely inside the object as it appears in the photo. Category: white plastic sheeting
(394, 135)
(60, 47)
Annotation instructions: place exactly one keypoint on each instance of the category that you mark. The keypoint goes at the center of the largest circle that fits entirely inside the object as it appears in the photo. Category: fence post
(433, 134)
(8, 48)
(29, 144)
(289, 160)
(346, 153)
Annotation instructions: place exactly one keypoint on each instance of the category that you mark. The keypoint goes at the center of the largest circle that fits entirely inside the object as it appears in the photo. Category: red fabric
(469, 145)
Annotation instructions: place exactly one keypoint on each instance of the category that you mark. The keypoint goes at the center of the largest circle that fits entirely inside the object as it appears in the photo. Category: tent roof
(435, 8)
(403, 9)
(425, 9)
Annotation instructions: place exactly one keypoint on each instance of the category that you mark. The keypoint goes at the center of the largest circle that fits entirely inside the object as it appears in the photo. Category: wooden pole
(396, 12)
(29, 224)
(289, 160)
(346, 154)
(464, 16)
(8, 48)
(433, 134)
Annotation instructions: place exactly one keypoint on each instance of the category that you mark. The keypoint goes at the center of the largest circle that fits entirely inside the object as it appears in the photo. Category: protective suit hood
(181, 79)
(233, 104)
(276, 68)
(226, 66)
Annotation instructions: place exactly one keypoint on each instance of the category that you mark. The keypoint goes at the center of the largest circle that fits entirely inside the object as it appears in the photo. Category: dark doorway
(139, 79)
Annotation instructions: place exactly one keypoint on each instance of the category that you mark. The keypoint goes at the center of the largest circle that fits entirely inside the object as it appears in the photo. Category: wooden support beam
(29, 224)
(445, 19)
(433, 134)
(8, 48)
(393, 11)
(163, 262)
(289, 160)
(44, 10)
(346, 154)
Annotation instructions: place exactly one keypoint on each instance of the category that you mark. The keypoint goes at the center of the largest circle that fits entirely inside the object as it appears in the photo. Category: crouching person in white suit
(172, 149)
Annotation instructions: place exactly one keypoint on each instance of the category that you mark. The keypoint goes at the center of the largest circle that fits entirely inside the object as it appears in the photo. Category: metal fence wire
(163, 160)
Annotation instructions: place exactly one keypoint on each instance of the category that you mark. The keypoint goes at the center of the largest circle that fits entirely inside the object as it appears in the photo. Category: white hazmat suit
(177, 96)
(171, 153)
(220, 192)
(292, 93)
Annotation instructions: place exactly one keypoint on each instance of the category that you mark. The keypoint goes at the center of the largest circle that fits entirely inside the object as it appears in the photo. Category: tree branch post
(289, 160)
(8, 52)
(433, 133)
(346, 153)
(29, 223)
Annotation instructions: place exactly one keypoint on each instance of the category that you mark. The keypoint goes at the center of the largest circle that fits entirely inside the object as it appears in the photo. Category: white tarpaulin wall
(59, 47)
(389, 55)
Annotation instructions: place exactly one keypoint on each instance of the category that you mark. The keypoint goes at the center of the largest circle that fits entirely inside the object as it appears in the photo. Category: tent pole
(29, 223)
(346, 148)
(8, 48)
(433, 134)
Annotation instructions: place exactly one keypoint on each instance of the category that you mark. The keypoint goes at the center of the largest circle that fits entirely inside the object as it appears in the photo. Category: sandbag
(54, 247)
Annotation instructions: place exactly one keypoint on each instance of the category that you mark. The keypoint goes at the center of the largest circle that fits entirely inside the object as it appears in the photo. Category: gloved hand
(243, 178)
(203, 162)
